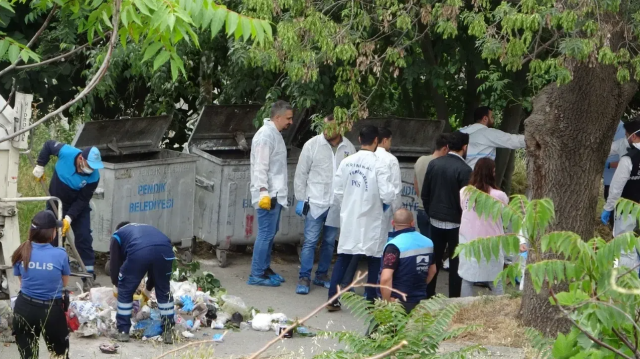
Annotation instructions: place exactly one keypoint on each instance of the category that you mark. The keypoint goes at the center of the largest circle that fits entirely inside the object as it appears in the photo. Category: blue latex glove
(385, 207)
(605, 216)
(299, 208)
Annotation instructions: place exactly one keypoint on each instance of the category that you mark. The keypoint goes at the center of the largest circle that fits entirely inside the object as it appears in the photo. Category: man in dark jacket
(440, 194)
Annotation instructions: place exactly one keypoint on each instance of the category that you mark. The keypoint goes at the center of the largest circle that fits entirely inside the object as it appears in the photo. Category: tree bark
(568, 136)
(512, 116)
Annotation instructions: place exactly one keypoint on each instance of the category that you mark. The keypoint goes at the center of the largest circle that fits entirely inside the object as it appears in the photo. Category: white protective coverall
(268, 164)
(621, 224)
(392, 163)
(316, 168)
(483, 142)
(362, 184)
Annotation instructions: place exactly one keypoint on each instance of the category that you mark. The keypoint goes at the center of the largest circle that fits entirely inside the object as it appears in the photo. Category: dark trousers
(81, 227)
(445, 242)
(606, 196)
(32, 319)
(350, 273)
(424, 226)
(340, 268)
(156, 261)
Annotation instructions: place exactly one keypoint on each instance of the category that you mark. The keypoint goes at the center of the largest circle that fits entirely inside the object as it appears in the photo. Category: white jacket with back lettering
(361, 185)
(483, 142)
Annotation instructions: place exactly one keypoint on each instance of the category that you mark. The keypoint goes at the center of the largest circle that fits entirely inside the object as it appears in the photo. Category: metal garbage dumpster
(141, 182)
(411, 139)
(224, 215)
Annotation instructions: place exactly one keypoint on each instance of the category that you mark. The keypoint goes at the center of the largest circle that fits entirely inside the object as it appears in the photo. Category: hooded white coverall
(396, 180)
(483, 142)
(361, 185)
(316, 169)
(269, 164)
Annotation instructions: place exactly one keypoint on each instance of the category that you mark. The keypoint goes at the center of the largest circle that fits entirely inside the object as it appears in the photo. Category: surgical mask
(87, 170)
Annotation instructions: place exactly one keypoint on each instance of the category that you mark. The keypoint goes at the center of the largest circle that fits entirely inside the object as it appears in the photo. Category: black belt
(38, 301)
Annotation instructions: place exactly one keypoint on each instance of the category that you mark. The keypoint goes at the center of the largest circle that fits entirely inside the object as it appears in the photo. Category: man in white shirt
(313, 184)
(362, 188)
(626, 184)
(484, 139)
(389, 160)
(269, 190)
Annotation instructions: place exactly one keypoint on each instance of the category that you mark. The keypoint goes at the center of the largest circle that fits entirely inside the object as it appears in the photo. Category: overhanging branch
(59, 57)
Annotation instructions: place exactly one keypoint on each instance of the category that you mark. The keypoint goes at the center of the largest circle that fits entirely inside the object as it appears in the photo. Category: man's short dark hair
(122, 224)
(383, 133)
(279, 107)
(329, 118)
(442, 141)
(457, 140)
(481, 112)
(632, 126)
(368, 134)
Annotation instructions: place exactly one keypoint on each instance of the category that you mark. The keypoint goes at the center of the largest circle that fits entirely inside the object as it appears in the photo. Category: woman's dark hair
(483, 176)
(23, 253)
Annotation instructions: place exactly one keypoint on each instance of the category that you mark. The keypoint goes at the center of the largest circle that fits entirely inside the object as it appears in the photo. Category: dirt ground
(243, 343)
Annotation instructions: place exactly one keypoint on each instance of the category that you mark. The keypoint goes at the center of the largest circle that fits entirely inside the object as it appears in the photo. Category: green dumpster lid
(412, 137)
(123, 136)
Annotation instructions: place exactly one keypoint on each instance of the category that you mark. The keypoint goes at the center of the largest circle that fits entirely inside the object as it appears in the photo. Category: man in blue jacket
(137, 250)
(407, 262)
(74, 180)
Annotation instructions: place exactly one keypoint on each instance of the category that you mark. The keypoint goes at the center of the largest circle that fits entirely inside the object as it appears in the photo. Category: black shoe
(334, 307)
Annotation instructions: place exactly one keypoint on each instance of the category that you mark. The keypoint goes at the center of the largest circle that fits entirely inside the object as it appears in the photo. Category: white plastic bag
(261, 322)
(103, 296)
(85, 311)
(233, 304)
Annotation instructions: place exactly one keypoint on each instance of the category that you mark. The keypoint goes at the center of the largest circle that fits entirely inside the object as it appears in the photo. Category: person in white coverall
(363, 190)
(484, 139)
(389, 160)
(313, 185)
(269, 190)
(626, 184)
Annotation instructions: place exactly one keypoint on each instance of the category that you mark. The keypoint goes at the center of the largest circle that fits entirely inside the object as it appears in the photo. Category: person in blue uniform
(74, 180)
(407, 262)
(137, 250)
(43, 271)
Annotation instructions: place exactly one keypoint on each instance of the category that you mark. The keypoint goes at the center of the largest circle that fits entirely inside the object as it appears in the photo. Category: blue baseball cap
(92, 155)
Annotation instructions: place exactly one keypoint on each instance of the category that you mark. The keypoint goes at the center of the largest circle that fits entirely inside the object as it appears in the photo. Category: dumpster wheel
(221, 254)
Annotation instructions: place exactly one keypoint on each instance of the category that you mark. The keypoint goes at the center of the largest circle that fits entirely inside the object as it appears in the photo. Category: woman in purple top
(473, 227)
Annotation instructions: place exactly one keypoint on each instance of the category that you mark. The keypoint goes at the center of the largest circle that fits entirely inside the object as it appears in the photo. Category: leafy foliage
(424, 329)
(603, 305)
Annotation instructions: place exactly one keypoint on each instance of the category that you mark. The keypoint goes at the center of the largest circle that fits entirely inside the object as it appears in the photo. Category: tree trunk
(439, 101)
(568, 137)
(512, 116)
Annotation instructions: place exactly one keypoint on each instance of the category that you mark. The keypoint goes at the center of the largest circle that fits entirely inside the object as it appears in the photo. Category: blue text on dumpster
(153, 204)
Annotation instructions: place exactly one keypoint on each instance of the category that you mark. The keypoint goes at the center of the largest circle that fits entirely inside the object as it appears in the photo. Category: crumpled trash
(234, 304)
(103, 296)
(278, 317)
(218, 338)
(261, 322)
(87, 329)
(72, 322)
(85, 311)
(149, 327)
(180, 289)
(109, 348)
(304, 332)
(188, 334)
(144, 313)
(155, 314)
(187, 303)
(200, 309)
(237, 318)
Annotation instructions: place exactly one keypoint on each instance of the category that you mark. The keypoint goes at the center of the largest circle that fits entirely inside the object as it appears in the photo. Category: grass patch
(497, 318)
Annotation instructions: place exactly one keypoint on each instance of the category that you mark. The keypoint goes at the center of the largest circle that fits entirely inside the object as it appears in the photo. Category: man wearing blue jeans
(269, 190)
(319, 160)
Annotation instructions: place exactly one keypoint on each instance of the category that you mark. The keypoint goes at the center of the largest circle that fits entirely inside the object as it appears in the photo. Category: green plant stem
(390, 351)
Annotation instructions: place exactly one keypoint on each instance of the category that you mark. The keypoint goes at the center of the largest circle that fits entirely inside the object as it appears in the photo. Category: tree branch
(13, 90)
(540, 49)
(33, 39)
(390, 351)
(115, 19)
(60, 57)
(585, 332)
(625, 340)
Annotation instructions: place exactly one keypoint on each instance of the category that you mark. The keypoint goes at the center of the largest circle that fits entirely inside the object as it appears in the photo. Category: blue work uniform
(410, 259)
(75, 190)
(138, 249)
(38, 308)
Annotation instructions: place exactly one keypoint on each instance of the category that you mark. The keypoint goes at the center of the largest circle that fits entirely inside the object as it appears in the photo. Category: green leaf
(174, 70)
(106, 19)
(14, 53)
(238, 32)
(175, 58)
(161, 59)
(4, 45)
(246, 27)
(7, 6)
(142, 7)
(257, 25)
(151, 50)
(24, 55)
(171, 21)
(218, 20)
(232, 22)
